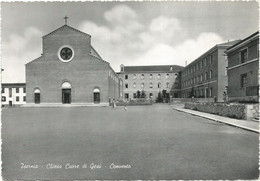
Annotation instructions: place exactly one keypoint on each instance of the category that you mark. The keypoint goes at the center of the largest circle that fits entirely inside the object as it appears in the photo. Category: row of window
(198, 93)
(197, 79)
(199, 65)
(135, 95)
(159, 85)
(17, 90)
(17, 98)
(150, 76)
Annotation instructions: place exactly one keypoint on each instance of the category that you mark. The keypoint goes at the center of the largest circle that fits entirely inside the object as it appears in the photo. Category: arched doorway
(66, 93)
(37, 96)
(96, 94)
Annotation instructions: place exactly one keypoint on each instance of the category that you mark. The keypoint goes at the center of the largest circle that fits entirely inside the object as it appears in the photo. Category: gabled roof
(251, 37)
(153, 68)
(94, 53)
(66, 26)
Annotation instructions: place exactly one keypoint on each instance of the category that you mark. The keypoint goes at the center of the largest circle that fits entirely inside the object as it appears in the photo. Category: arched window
(167, 84)
(159, 76)
(167, 76)
(142, 85)
(151, 85)
(159, 85)
(142, 76)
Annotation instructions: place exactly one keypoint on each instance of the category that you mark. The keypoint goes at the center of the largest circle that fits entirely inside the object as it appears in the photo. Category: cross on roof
(65, 18)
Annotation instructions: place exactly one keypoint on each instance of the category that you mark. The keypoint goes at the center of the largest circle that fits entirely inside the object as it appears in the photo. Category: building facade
(151, 80)
(70, 71)
(206, 77)
(13, 94)
(243, 70)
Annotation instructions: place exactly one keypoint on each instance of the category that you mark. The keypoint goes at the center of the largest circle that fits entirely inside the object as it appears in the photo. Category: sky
(129, 33)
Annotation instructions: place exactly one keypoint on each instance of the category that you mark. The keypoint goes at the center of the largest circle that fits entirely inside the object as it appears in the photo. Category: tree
(159, 98)
(138, 94)
(143, 95)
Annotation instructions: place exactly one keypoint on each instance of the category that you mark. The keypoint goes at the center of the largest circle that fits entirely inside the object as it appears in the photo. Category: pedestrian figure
(114, 103)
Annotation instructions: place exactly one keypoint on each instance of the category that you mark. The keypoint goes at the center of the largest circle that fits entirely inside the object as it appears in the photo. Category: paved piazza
(144, 142)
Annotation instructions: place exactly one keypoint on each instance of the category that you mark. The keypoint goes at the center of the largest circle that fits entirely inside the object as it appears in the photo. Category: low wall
(252, 111)
(228, 110)
(134, 102)
(182, 100)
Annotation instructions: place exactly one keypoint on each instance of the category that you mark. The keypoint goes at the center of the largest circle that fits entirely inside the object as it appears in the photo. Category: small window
(142, 85)
(134, 76)
(126, 85)
(151, 95)
(151, 76)
(134, 85)
(167, 76)
(168, 85)
(210, 92)
(159, 76)
(243, 56)
(159, 85)
(3, 98)
(151, 85)
(134, 95)
(126, 77)
(142, 76)
(24, 98)
(126, 95)
(206, 61)
(24, 90)
(206, 75)
(210, 74)
(201, 77)
(243, 80)
(3, 90)
(17, 98)
(17, 89)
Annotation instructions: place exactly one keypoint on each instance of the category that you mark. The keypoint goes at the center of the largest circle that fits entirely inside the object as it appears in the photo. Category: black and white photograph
(130, 90)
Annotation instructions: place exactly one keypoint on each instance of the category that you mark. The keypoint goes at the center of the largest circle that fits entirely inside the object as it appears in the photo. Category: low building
(13, 94)
(206, 77)
(151, 80)
(243, 70)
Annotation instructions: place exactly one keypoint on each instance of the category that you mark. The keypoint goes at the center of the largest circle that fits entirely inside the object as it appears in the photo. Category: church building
(70, 71)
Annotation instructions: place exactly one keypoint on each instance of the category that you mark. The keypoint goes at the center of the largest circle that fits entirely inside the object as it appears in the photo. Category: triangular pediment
(65, 29)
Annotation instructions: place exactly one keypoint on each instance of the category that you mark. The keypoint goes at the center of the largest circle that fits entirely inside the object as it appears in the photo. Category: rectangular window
(3, 90)
(134, 95)
(243, 56)
(24, 90)
(211, 59)
(126, 85)
(206, 76)
(126, 95)
(206, 59)
(151, 95)
(24, 98)
(126, 77)
(3, 98)
(17, 89)
(243, 80)
(10, 92)
(210, 74)
(17, 98)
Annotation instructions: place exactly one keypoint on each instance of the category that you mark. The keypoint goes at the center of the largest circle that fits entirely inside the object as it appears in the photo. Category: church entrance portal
(37, 96)
(66, 96)
(96, 96)
(66, 93)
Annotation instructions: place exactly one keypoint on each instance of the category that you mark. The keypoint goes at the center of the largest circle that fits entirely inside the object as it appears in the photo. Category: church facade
(70, 71)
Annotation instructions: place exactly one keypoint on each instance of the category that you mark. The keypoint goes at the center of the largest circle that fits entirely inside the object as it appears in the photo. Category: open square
(156, 141)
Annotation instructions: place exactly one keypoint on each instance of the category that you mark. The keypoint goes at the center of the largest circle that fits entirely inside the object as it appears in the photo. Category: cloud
(188, 51)
(19, 50)
(120, 14)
